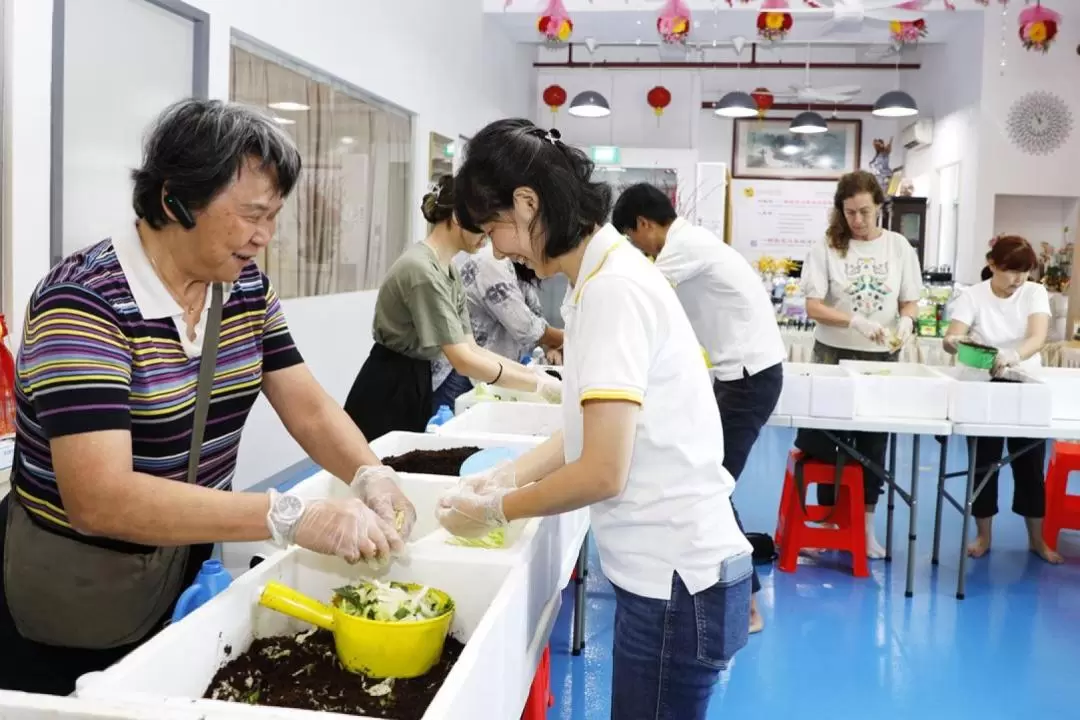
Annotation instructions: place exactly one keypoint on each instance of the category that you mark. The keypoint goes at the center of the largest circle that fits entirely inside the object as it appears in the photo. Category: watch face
(289, 507)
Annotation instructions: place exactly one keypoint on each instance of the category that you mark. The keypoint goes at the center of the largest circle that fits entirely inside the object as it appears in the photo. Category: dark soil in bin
(302, 672)
(431, 462)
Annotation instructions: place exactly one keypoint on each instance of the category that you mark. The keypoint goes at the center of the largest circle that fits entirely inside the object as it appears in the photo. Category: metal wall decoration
(1039, 123)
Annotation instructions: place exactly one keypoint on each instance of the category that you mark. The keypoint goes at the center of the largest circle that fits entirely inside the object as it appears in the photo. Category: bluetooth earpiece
(183, 215)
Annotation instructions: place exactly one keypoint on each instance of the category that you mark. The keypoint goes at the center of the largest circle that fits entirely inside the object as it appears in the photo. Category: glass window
(347, 219)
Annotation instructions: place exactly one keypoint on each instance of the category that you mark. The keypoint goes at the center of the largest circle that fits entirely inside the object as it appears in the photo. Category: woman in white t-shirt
(1012, 314)
(641, 444)
(862, 285)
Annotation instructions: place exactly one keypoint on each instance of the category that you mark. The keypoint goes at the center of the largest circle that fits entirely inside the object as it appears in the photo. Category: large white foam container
(899, 390)
(1065, 390)
(832, 390)
(516, 420)
(795, 393)
(27, 706)
(974, 399)
(484, 393)
(490, 679)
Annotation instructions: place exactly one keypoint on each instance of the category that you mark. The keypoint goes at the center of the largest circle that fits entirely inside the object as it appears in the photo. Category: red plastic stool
(792, 532)
(1062, 509)
(540, 697)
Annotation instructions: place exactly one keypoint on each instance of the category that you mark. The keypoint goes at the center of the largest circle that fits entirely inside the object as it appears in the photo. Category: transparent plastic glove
(904, 329)
(554, 357)
(548, 387)
(467, 514)
(499, 477)
(378, 486)
(1005, 359)
(347, 528)
(868, 328)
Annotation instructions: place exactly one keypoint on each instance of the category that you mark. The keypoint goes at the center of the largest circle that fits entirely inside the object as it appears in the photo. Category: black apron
(391, 392)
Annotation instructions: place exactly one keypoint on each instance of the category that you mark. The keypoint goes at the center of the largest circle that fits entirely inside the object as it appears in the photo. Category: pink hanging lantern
(555, 24)
(673, 23)
(1038, 27)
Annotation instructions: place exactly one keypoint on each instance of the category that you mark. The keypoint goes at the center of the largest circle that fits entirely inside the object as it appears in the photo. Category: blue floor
(836, 647)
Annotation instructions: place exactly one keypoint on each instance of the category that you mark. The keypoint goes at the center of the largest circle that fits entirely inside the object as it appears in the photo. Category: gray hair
(196, 148)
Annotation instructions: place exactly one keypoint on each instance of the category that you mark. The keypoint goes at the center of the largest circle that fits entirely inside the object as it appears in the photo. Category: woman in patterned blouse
(506, 316)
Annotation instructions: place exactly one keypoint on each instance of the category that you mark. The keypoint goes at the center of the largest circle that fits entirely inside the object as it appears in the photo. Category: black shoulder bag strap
(207, 366)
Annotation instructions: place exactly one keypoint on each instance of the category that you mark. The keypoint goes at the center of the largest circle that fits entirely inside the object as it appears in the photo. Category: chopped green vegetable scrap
(492, 541)
(390, 602)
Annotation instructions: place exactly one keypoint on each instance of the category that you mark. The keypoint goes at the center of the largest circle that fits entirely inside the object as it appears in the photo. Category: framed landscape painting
(767, 149)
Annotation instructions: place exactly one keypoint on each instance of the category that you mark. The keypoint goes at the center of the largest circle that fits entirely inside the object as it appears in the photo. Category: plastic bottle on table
(441, 416)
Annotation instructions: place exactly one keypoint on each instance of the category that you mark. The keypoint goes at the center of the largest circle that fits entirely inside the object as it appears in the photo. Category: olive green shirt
(421, 306)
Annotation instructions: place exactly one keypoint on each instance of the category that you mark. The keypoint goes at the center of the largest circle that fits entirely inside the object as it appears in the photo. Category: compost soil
(302, 672)
(431, 462)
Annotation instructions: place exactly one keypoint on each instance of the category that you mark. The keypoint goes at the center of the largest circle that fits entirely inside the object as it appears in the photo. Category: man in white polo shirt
(730, 311)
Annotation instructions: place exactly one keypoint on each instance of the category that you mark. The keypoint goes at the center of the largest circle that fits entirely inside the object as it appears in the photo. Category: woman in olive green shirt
(421, 312)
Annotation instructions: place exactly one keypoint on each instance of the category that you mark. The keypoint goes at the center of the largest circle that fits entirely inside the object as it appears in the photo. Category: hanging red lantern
(554, 97)
(659, 98)
(764, 99)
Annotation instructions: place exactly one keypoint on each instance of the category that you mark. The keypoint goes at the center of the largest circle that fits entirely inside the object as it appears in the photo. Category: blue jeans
(745, 406)
(668, 654)
(452, 387)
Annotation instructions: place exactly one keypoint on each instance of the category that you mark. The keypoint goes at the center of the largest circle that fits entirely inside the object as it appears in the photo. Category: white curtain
(346, 220)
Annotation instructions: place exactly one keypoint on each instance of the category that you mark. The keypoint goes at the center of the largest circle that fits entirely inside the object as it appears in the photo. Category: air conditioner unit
(918, 134)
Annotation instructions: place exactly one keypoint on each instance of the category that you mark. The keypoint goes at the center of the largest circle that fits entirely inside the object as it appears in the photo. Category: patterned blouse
(506, 314)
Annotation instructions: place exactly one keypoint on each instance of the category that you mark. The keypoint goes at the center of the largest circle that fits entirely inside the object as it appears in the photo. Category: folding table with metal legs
(580, 572)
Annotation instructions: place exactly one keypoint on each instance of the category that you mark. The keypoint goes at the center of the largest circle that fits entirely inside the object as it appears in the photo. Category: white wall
(447, 64)
(104, 122)
(948, 90)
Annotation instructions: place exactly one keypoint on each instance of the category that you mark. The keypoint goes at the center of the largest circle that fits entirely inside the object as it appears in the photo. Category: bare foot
(874, 551)
(1041, 549)
(979, 547)
(757, 623)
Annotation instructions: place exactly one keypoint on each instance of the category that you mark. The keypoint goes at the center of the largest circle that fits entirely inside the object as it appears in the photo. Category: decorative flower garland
(673, 23)
(772, 23)
(1038, 27)
(555, 24)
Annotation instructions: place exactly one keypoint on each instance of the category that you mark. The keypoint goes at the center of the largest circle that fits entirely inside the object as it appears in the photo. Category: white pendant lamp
(808, 123)
(895, 103)
(736, 104)
(589, 104)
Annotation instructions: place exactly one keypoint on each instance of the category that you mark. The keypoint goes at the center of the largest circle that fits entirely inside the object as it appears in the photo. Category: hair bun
(554, 134)
(430, 206)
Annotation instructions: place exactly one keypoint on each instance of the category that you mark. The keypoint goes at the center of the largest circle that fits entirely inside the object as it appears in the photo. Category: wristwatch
(285, 512)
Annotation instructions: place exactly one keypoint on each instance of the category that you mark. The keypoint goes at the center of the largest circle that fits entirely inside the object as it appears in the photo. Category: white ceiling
(629, 21)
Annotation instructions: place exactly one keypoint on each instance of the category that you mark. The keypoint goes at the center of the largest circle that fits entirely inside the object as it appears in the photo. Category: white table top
(899, 426)
(779, 421)
(1058, 430)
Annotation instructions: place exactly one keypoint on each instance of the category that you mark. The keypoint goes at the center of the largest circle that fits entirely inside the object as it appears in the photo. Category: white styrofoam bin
(29, 706)
(795, 393)
(177, 665)
(974, 399)
(535, 420)
(899, 390)
(1065, 388)
(832, 391)
(490, 393)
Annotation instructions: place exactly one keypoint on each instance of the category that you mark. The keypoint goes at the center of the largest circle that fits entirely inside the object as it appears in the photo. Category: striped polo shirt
(102, 350)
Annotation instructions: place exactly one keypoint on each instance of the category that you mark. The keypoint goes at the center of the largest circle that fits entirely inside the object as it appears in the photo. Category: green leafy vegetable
(494, 540)
(390, 602)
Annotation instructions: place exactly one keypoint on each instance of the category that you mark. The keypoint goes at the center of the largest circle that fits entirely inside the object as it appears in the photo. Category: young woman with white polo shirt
(862, 285)
(1012, 314)
(639, 441)
(730, 311)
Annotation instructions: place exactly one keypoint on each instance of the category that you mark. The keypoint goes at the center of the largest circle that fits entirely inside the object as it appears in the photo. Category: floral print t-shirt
(872, 280)
(506, 314)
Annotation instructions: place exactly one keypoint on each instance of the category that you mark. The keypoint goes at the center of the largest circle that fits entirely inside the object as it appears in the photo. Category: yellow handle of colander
(287, 601)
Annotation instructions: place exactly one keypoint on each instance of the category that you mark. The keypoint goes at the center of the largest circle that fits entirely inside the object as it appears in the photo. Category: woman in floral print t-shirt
(862, 285)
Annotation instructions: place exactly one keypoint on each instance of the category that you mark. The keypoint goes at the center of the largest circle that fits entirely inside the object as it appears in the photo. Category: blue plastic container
(441, 417)
(211, 580)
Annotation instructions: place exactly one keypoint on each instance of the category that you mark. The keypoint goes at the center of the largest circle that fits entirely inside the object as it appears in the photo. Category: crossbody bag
(68, 593)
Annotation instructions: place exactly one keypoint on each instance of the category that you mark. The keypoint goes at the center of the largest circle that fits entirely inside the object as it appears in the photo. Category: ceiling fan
(808, 94)
(851, 14)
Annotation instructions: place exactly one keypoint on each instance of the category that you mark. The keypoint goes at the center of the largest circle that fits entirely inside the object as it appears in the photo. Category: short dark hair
(513, 153)
(642, 200)
(438, 203)
(1012, 253)
(196, 148)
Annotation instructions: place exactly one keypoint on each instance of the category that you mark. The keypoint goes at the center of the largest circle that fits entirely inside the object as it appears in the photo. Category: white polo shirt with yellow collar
(727, 305)
(628, 338)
